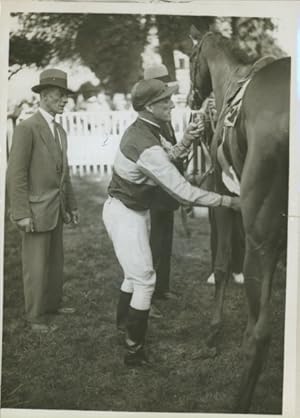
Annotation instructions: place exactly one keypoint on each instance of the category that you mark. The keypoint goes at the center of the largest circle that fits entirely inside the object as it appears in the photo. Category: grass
(80, 366)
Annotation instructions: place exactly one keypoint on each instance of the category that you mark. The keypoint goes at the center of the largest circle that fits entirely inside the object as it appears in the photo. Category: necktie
(58, 149)
(56, 136)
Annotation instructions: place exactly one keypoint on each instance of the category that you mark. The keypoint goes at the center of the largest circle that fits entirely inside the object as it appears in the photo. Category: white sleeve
(154, 162)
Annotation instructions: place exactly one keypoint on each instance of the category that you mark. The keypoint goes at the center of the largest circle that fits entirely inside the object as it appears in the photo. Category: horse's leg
(257, 336)
(223, 218)
(238, 244)
(264, 188)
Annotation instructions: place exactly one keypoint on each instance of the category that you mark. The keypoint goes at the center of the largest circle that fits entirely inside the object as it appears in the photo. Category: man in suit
(41, 199)
(162, 212)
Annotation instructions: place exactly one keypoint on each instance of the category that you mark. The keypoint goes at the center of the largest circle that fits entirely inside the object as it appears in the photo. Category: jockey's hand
(25, 224)
(192, 133)
(211, 104)
(235, 203)
(231, 202)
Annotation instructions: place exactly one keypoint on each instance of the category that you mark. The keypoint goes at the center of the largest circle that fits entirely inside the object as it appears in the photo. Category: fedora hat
(52, 78)
(147, 92)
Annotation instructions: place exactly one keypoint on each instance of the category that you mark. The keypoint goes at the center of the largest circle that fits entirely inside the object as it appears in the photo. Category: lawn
(80, 366)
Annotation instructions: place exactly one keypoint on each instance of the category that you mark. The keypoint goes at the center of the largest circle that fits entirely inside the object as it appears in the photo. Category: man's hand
(231, 202)
(25, 224)
(75, 217)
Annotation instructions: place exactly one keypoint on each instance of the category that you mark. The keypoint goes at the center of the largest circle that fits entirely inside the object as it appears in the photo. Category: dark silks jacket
(142, 165)
(38, 180)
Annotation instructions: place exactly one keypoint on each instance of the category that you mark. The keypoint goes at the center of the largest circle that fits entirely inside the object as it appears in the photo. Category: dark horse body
(258, 151)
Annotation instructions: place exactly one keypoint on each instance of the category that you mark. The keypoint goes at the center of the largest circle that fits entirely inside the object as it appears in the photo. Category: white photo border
(279, 9)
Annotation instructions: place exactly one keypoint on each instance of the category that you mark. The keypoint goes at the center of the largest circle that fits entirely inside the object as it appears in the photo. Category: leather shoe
(66, 311)
(43, 328)
(137, 358)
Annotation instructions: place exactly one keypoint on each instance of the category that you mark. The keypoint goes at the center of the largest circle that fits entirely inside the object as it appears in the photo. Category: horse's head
(201, 85)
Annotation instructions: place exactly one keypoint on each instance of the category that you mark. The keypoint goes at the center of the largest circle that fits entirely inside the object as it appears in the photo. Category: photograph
(148, 185)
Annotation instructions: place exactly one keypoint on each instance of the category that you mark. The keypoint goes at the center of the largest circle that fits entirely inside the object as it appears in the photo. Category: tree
(174, 33)
(41, 37)
(25, 52)
(111, 44)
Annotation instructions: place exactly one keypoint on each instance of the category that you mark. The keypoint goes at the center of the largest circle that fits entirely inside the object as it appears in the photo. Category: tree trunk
(167, 56)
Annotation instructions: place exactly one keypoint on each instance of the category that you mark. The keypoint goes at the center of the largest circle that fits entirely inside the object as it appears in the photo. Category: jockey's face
(162, 110)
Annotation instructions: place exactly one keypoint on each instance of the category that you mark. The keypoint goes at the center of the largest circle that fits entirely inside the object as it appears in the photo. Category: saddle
(232, 107)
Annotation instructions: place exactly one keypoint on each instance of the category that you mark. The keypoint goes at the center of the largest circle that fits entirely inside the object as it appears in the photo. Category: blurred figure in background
(90, 101)
(162, 213)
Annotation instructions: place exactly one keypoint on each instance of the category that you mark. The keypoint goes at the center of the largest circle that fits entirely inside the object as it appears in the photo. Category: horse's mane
(232, 46)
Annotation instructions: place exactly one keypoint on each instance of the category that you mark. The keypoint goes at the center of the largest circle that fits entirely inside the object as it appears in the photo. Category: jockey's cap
(147, 92)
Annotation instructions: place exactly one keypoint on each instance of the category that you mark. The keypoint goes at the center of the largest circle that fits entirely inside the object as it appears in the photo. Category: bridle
(194, 59)
(196, 96)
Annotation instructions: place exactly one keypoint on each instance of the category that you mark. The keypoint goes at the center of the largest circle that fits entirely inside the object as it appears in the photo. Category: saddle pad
(229, 177)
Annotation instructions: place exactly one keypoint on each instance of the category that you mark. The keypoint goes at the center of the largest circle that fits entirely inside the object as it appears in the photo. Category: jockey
(162, 211)
(142, 163)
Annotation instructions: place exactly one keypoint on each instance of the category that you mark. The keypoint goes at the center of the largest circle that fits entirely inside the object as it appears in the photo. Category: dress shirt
(50, 120)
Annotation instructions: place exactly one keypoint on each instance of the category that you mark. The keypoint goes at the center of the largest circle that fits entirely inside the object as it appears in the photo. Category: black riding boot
(122, 310)
(137, 322)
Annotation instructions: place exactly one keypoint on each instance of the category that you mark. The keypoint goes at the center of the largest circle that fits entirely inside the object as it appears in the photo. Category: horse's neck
(225, 74)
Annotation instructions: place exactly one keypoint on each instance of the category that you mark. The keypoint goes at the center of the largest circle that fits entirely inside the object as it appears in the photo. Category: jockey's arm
(154, 162)
(182, 149)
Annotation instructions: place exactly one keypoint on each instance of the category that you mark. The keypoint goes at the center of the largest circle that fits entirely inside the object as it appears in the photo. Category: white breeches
(129, 231)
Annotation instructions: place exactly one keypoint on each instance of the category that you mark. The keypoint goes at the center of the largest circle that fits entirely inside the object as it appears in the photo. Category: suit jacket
(38, 180)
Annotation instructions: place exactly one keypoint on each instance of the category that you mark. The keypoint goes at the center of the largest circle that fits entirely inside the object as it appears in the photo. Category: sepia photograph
(147, 188)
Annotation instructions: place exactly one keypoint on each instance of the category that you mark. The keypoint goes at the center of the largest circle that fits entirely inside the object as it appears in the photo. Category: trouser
(42, 260)
(227, 240)
(161, 239)
(129, 231)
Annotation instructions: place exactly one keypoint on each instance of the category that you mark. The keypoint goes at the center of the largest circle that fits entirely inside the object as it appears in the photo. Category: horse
(258, 151)
(227, 235)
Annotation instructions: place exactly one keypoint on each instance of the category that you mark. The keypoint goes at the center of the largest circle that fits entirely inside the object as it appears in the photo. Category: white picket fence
(93, 138)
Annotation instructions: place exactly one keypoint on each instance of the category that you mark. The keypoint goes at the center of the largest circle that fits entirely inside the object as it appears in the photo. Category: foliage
(25, 52)
(254, 36)
(174, 33)
(111, 44)
(40, 37)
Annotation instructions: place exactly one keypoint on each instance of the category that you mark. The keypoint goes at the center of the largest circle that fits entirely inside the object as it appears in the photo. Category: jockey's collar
(149, 121)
